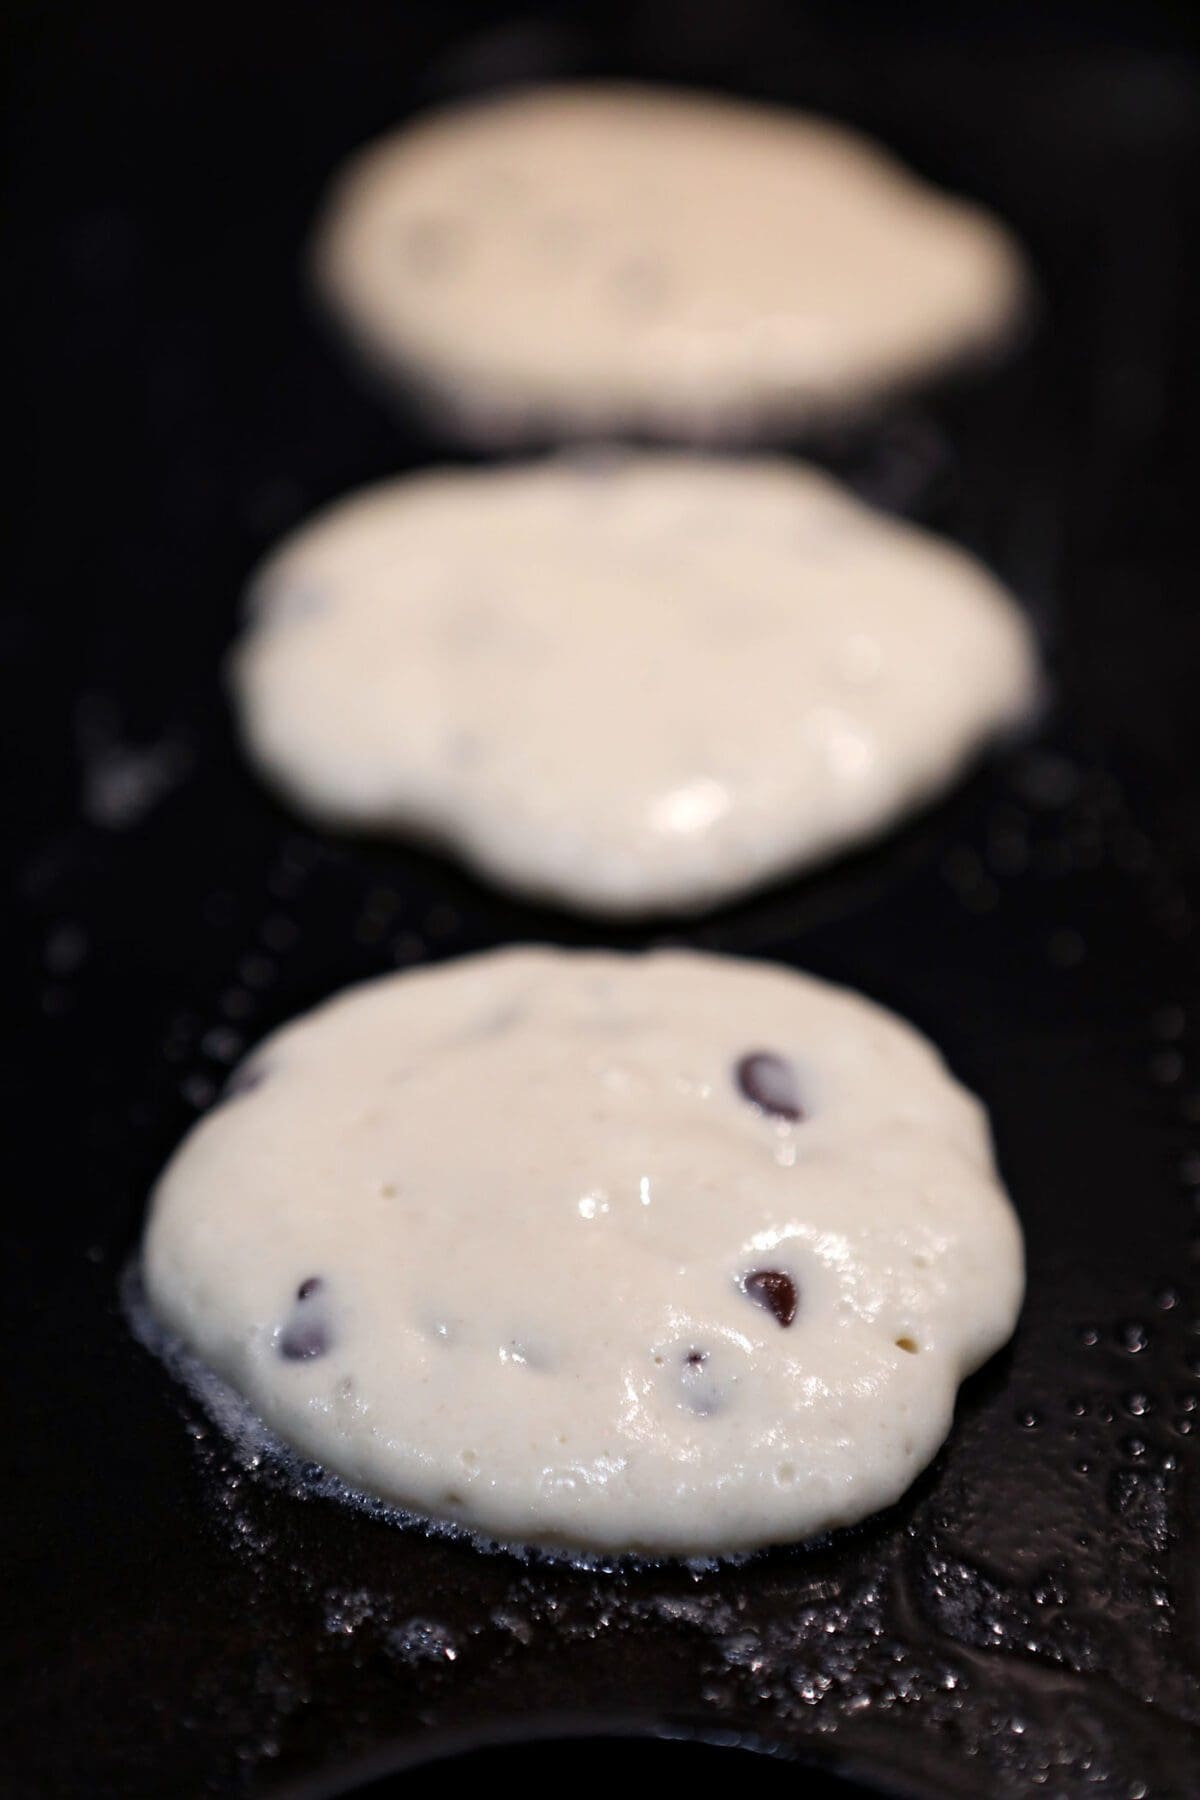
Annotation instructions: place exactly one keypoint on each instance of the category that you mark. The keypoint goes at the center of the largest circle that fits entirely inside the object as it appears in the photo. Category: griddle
(1027, 1620)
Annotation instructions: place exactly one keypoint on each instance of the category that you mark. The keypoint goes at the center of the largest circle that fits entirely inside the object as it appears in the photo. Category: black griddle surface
(1028, 1619)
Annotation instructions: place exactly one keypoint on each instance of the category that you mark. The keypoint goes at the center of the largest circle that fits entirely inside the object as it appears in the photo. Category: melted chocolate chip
(769, 1082)
(774, 1291)
(307, 1332)
(303, 1339)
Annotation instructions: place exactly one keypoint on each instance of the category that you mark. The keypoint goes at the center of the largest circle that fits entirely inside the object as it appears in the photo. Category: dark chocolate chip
(769, 1082)
(307, 1332)
(774, 1291)
(303, 1339)
(695, 1359)
(244, 1080)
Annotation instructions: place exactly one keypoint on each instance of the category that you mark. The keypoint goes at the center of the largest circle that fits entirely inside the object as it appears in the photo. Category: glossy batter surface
(665, 1253)
(631, 685)
(606, 256)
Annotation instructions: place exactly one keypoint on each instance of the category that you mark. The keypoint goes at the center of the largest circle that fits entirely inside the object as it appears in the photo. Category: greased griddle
(1028, 1619)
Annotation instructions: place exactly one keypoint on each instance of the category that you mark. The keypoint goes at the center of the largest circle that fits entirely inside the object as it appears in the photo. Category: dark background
(1028, 1619)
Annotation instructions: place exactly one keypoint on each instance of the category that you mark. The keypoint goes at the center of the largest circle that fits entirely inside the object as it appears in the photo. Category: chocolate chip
(244, 1080)
(303, 1339)
(774, 1291)
(695, 1359)
(769, 1082)
(307, 1332)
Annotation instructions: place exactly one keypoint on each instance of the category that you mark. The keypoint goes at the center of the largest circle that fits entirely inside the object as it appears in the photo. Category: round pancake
(661, 1253)
(606, 258)
(631, 685)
